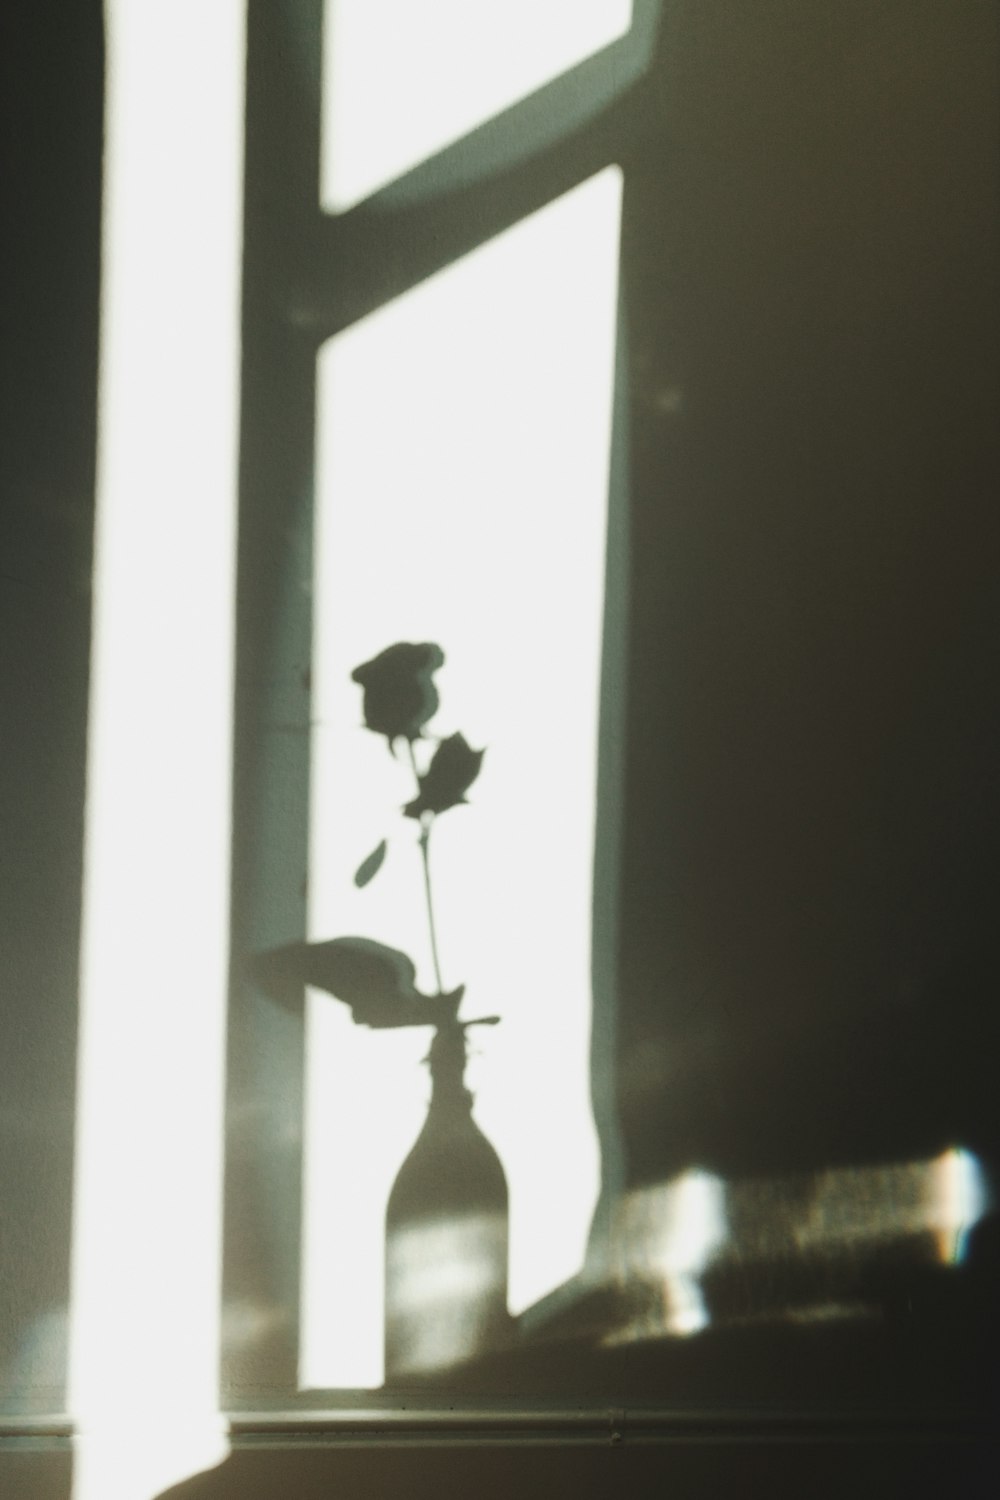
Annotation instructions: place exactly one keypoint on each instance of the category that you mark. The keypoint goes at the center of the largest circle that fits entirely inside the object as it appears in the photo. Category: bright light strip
(402, 79)
(462, 481)
(146, 1249)
(962, 1199)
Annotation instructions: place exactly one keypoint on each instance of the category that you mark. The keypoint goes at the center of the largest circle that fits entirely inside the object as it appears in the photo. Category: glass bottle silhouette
(446, 1231)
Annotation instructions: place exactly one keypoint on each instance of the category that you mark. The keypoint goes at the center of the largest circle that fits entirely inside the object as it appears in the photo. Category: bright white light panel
(462, 481)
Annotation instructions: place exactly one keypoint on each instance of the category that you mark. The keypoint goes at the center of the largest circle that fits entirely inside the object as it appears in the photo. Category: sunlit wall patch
(858, 1207)
(462, 480)
(144, 1338)
(404, 78)
(664, 1237)
(671, 1240)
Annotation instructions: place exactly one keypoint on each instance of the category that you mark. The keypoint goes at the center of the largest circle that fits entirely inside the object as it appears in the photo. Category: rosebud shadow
(400, 695)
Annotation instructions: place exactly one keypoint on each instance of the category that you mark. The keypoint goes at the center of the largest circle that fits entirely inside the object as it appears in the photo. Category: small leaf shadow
(369, 868)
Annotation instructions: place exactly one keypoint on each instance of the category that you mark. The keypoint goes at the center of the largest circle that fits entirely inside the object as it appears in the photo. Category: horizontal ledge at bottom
(605, 1426)
(608, 1426)
(53, 1431)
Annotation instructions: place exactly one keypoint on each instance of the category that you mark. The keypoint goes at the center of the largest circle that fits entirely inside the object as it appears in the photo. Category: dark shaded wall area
(50, 139)
(812, 809)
